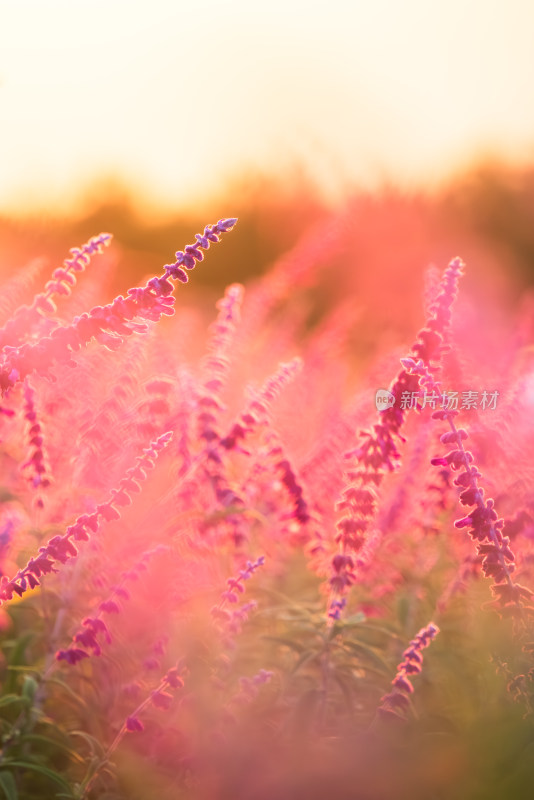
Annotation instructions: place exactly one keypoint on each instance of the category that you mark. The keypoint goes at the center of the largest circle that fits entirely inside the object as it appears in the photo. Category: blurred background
(411, 122)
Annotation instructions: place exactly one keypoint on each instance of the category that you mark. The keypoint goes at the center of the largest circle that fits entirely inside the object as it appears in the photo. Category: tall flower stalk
(396, 702)
(484, 526)
(89, 637)
(378, 451)
(60, 549)
(63, 280)
(159, 698)
(38, 473)
(109, 324)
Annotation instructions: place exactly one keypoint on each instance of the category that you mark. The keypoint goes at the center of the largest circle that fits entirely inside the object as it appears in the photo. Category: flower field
(268, 550)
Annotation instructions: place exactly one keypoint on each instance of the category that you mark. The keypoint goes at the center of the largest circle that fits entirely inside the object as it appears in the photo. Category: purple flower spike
(377, 453)
(94, 626)
(158, 697)
(392, 703)
(27, 318)
(482, 522)
(109, 324)
(61, 548)
(230, 622)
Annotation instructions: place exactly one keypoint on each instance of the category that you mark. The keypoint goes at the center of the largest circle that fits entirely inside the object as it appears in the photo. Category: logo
(384, 399)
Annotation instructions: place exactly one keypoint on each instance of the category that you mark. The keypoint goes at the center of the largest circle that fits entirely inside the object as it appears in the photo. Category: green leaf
(49, 773)
(9, 787)
(287, 642)
(9, 699)
(354, 619)
(24, 668)
(17, 658)
(29, 688)
(288, 603)
(367, 654)
(94, 744)
(37, 737)
(70, 691)
(305, 658)
(403, 610)
(369, 626)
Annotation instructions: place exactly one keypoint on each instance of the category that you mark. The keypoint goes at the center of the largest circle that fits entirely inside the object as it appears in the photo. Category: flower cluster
(94, 626)
(282, 489)
(289, 479)
(378, 453)
(484, 526)
(158, 697)
(60, 549)
(248, 687)
(215, 366)
(39, 477)
(257, 411)
(250, 471)
(412, 664)
(230, 621)
(62, 282)
(108, 324)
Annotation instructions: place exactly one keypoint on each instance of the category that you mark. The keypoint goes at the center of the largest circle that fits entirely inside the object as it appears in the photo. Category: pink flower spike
(411, 665)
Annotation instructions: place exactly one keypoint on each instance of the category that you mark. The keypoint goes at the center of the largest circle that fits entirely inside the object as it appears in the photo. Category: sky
(177, 98)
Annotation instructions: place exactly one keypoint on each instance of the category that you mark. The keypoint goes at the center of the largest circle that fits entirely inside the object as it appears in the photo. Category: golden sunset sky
(177, 97)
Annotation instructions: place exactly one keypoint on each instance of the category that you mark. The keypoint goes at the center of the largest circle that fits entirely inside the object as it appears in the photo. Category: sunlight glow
(176, 97)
